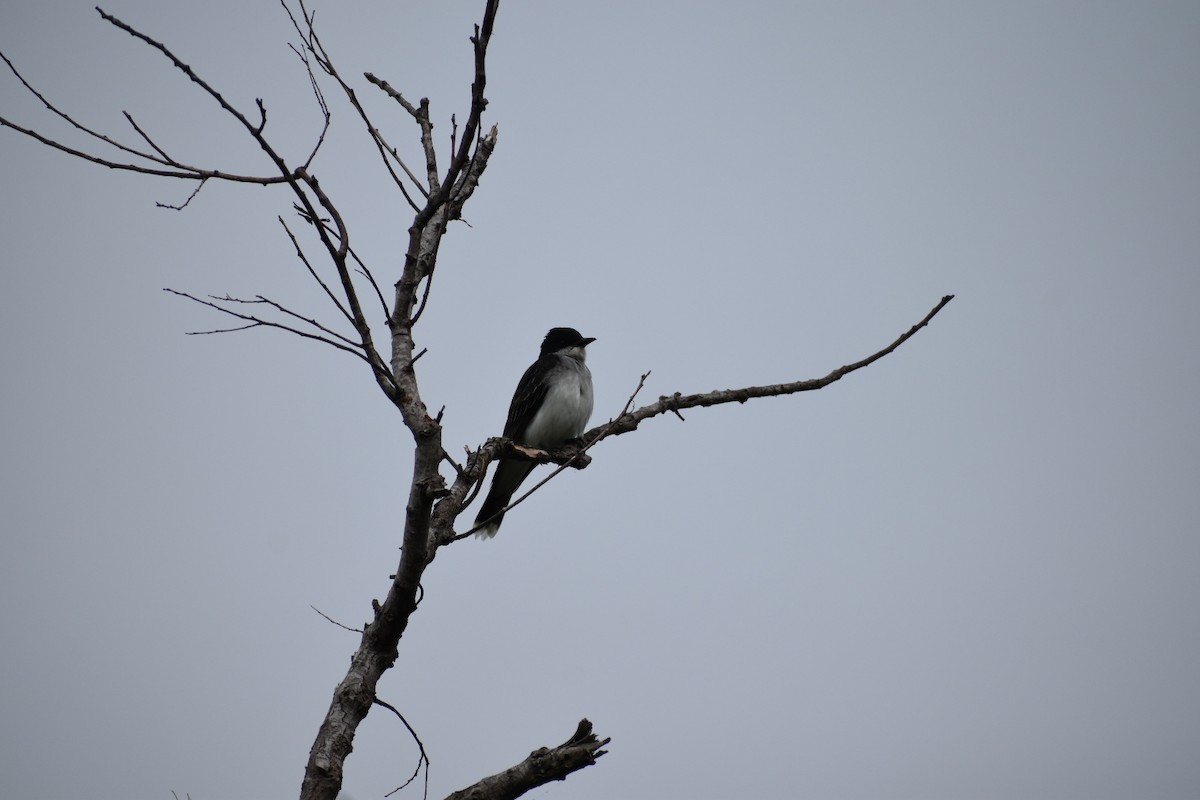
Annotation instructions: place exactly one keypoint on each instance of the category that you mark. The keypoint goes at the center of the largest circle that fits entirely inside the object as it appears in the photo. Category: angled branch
(543, 765)
(678, 402)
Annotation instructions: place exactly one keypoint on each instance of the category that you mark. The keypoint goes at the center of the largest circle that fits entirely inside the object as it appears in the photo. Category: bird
(551, 406)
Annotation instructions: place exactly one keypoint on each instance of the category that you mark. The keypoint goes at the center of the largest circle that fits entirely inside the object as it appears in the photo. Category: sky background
(970, 571)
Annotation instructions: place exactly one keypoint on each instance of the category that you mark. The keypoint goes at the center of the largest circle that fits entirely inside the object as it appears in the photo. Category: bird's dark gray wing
(531, 391)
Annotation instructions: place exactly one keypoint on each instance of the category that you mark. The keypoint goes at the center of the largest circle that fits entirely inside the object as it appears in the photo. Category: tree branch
(334, 621)
(678, 402)
(543, 765)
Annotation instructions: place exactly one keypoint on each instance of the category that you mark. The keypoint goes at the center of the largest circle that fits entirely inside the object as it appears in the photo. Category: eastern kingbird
(551, 406)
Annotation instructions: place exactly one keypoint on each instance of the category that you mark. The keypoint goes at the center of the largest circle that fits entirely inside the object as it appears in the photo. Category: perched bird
(551, 406)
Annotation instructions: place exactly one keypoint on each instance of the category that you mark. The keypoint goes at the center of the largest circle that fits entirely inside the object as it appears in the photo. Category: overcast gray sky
(970, 571)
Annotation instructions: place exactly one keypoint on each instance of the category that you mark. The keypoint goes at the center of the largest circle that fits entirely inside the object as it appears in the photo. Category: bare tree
(436, 192)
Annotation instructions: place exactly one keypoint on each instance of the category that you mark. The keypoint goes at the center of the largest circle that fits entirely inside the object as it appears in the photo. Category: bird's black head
(561, 338)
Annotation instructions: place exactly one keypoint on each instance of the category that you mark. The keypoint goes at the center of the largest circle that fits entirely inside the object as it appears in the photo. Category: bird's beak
(588, 340)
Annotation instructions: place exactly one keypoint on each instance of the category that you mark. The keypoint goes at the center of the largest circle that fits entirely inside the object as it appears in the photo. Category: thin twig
(282, 309)
(313, 272)
(259, 322)
(166, 158)
(334, 621)
(190, 197)
(424, 759)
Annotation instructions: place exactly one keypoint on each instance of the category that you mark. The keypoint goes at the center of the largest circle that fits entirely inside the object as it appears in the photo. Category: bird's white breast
(565, 412)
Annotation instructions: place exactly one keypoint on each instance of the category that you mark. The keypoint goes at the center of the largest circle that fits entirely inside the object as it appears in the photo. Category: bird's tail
(508, 478)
